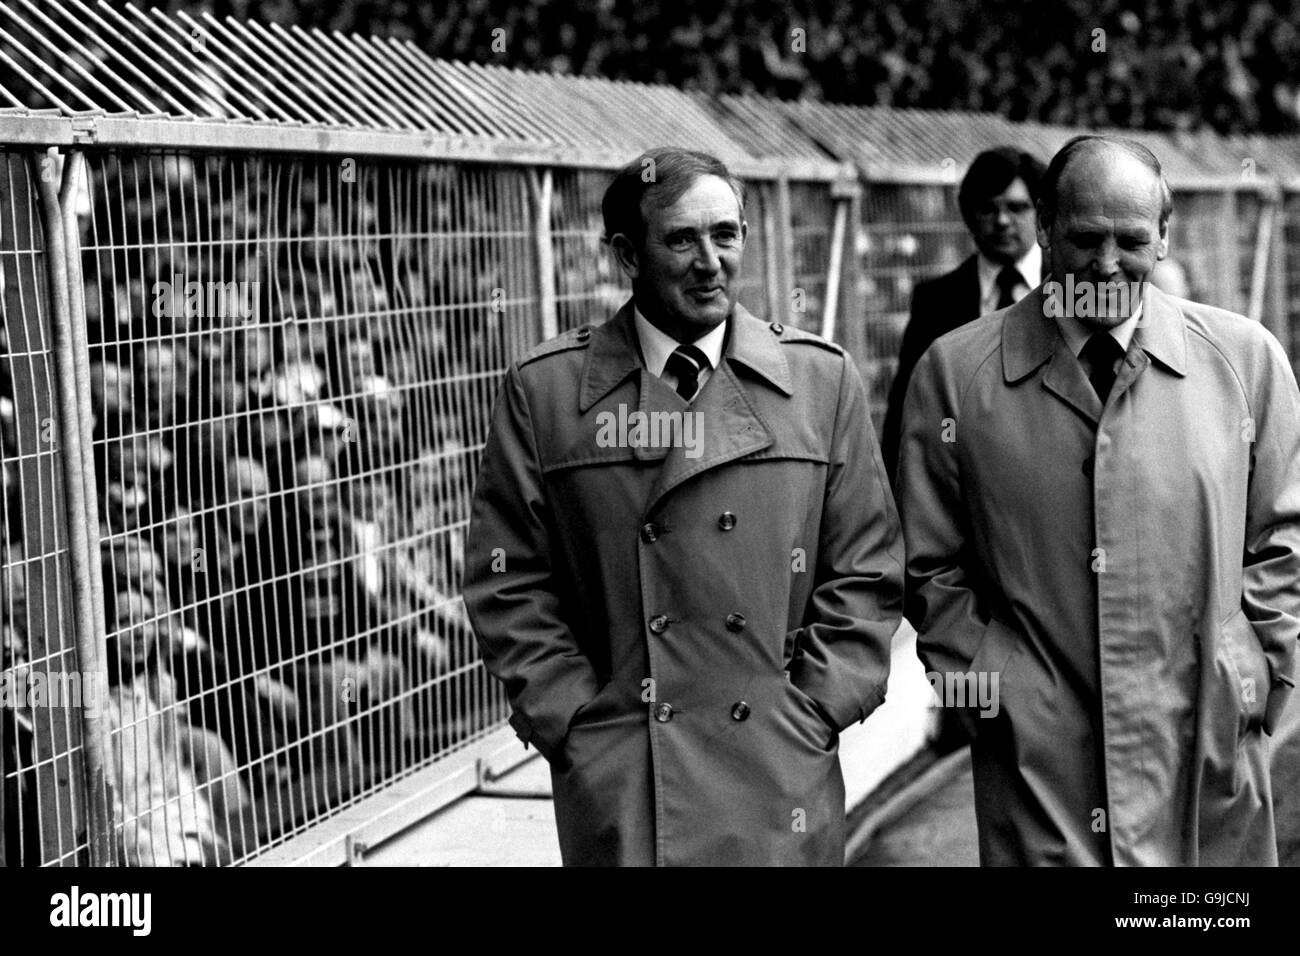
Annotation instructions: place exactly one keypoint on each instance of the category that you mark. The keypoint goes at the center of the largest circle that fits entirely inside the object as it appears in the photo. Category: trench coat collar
(614, 355)
(1031, 337)
(1162, 330)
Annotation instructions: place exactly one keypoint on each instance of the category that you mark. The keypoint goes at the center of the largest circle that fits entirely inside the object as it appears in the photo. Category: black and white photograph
(511, 434)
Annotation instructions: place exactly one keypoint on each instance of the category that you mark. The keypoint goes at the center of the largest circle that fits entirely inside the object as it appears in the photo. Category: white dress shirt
(656, 346)
(1029, 266)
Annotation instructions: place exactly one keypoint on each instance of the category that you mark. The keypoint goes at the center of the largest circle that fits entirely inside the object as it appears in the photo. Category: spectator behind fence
(726, 601)
(1100, 489)
(996, 198)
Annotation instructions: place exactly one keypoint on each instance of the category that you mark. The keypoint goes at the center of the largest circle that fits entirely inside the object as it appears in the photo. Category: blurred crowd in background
(282, 491)
(1160, 64)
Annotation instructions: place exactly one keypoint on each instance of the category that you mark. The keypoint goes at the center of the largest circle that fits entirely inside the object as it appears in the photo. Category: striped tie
(685, 364)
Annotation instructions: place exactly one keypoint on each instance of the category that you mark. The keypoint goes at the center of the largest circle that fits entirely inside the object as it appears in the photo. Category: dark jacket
(939, 305)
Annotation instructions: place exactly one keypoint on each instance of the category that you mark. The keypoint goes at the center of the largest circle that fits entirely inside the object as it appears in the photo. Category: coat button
(664, 713)
(659, 623)
(583, 334)
(739, 710)
(1088, 464)
(778, 328)
(726, 521)
(735, 622)
(650, 533)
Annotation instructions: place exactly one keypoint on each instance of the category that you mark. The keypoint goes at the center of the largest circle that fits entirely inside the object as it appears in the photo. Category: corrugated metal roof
(885, 143)
(74, 58)
(78, 58)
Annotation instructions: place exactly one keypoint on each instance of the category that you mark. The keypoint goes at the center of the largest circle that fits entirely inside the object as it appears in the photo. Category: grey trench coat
(1132, 574)
(681, 636)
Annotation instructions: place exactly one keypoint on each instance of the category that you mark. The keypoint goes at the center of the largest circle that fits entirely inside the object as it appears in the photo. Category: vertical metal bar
(1228, 293)
(777, 301)
(38, 455)
(93, 724)
(543, 188)
(1261, 257)
(834, 270)
(783, 240)
(74, 167)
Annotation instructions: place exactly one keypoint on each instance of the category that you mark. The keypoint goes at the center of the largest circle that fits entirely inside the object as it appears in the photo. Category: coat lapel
(1029, 338)
(612, 356)
(731, 425)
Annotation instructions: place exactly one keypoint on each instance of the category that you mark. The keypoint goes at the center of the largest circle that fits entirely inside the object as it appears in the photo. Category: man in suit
(1100, 491)
(683, 560)
(996, 199)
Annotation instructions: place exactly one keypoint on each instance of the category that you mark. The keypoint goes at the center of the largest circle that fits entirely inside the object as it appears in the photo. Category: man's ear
(744, 230)
(1040, 227)
(625, 251)
(1162, 248)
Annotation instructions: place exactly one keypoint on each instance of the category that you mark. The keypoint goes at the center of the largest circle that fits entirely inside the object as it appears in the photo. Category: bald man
(1100, 492)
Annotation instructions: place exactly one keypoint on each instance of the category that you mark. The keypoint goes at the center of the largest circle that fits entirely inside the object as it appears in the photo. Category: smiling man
(1103, 508)
(683, 631)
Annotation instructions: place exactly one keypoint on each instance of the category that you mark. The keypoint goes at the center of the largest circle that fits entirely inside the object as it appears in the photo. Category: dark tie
(1100, 354)
(686, 364)
(1008, 279)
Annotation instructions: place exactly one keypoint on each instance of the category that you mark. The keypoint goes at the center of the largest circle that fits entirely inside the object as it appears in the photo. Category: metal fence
(257, 302)
(259, 286)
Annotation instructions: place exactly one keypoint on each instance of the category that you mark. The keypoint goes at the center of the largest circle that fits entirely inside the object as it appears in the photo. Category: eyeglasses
(992, 209)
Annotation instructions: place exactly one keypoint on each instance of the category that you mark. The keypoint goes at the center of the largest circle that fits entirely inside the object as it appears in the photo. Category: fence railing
(259, 285)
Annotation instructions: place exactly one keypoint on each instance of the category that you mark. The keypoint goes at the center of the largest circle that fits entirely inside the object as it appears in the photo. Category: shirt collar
(656, 345)
(1076, 334)
(1030, 267)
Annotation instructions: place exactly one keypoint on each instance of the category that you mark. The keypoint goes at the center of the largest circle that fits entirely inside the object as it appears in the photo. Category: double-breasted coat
(1131, 573)
(682, 631)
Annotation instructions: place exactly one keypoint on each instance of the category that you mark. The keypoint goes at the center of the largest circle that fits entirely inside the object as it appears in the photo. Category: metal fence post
(542, 187)
(843, 192)
(75, 434)
(52, 781)
(783, 241)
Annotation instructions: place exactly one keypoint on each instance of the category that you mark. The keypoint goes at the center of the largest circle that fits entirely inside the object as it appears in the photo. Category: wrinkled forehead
(1108, 187)
(707, 201)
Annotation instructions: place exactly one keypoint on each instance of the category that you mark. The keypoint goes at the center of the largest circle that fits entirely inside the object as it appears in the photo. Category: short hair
(991, 172)
(671, 172)
(1049, 204)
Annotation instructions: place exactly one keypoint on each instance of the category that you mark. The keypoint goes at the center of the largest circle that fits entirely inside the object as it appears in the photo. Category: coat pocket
(809, 715)
(980, 699)
(1244, 659)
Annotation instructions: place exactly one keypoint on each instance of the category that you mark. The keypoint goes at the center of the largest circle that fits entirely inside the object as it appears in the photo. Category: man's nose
(1107, 261)
(706, 256)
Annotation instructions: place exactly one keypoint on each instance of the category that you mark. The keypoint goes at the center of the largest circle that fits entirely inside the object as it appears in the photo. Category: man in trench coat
(686, 575)
(1111, 529)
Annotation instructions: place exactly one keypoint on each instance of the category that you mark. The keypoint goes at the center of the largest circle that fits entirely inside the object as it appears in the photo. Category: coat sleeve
(843, 655)
(942, 593)
(511, 588)
(1271, 575)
